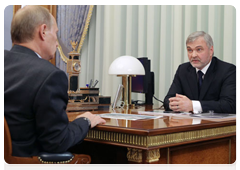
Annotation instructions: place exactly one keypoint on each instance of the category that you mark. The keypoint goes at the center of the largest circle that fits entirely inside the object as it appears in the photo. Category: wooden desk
(170, 139)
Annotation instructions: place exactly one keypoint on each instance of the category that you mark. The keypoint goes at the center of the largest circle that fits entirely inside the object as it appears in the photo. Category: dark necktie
(200, 75)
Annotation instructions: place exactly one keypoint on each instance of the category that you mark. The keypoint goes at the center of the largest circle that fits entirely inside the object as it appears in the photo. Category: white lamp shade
(126, 65)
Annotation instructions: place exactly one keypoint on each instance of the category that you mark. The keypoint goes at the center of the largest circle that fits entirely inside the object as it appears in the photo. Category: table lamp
(126, 67)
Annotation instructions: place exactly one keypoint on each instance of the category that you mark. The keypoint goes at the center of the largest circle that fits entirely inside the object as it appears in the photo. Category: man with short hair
(203, 84)
(35, 91)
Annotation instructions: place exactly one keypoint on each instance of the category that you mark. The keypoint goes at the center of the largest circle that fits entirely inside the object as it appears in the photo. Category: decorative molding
(158, 140)
(134, 155)
(57, 162)
(153, 155)
(189, 135)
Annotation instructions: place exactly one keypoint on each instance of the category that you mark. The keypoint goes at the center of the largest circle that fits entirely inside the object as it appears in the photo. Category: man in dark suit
(212, 89)
(35, 91)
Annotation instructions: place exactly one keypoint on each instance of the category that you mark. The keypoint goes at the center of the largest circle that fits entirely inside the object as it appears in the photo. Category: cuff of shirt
(197, 108)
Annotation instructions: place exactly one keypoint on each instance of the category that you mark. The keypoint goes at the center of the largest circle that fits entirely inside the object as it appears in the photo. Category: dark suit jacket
(35, 99)
(218, 91)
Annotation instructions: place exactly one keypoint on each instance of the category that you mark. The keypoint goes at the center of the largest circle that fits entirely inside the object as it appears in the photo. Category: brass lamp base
(127, 90)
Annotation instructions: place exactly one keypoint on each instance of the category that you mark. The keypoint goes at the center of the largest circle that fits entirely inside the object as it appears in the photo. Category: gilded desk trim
(158, 140)
(136, 155)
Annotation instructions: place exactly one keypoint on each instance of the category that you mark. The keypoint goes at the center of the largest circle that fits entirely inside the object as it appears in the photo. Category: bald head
(25, 22)
(35, 28)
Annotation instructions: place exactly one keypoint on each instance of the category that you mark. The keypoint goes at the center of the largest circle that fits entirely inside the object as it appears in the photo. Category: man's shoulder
(222, 63)
(219, 61)
(185, 66)
(44, 67)
(31, 61)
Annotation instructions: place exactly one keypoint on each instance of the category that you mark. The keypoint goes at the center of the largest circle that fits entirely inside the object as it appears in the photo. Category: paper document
(162, 113)
(127, 116)
(214, 115)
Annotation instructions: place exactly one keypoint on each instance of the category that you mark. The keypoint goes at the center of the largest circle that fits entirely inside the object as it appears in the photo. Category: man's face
(51, 41)
(199, 54)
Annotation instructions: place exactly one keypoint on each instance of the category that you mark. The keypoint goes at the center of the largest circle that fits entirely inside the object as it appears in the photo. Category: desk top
(171, 123)
(168, 130)
(145, 138)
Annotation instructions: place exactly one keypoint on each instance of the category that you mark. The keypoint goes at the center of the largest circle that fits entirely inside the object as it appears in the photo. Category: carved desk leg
(143, 156)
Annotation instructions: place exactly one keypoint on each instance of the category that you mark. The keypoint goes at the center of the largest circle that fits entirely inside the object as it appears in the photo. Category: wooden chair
(47, 158)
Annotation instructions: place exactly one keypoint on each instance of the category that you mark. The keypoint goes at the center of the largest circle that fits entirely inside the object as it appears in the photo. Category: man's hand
(180, 103)
(94, 119)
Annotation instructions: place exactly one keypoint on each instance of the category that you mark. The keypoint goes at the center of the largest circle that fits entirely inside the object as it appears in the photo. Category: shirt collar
(38, 55)
(204, 70)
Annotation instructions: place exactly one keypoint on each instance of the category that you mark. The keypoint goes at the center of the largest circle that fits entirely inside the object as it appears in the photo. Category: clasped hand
(180, 103)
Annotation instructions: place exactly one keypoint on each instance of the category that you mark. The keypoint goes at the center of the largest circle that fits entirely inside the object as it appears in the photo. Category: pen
(90, 84)
(96, 82)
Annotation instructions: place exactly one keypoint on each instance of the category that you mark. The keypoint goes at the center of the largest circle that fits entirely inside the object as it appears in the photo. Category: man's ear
(212, 50)
(42, 31)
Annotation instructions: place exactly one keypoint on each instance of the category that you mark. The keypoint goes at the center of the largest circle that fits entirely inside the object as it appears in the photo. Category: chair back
(78, 158)
(7, 142)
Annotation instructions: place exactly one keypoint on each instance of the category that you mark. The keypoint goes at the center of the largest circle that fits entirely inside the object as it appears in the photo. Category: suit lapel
(192, 81)
(208, 78)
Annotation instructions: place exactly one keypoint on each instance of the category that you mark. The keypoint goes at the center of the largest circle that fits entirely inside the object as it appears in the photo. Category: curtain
(156, 32)
(72, 21)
